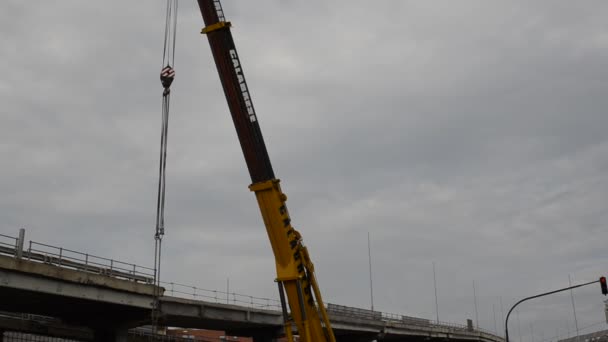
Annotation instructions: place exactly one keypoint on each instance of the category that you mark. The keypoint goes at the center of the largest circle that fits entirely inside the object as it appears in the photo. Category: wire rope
(167, 75)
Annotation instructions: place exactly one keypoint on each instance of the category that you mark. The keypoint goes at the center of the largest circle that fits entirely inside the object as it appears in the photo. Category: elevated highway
(104, 303)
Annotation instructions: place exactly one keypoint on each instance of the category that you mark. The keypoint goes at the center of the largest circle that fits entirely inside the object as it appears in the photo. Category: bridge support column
(1, 335)
(109, 335)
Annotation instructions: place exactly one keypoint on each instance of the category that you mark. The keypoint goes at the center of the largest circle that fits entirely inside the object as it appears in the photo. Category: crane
(295, 270)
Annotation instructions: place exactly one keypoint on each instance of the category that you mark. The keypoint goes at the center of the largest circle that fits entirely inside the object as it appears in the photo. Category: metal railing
(28, 316)
(436, 324)
(80, 261)
(8, 245)
(398, 318)
(221, 297)
(409, 320)
(14, 336)
(350, 311)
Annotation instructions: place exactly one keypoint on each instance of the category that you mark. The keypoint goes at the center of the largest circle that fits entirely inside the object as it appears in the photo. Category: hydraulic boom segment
(295, 271)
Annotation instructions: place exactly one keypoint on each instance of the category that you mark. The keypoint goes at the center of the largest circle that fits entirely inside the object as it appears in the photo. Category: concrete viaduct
(90, 306)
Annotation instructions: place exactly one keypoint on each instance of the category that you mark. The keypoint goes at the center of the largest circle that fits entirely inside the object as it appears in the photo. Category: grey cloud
(470, 134)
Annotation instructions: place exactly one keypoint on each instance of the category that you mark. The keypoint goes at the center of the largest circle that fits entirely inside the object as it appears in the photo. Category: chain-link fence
(10, 336)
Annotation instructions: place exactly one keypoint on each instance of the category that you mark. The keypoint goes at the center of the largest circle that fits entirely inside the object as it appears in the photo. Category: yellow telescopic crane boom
(295, 272)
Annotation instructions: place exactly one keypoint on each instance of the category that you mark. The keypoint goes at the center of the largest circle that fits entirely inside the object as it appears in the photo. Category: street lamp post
(542, 295)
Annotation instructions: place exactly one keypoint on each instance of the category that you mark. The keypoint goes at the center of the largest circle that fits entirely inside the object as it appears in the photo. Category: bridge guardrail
(223, 297)
(220, 297)
(403, 319)
(68, 258)
(397, 318)
(353, 312)
(28, 316)
(8, 245)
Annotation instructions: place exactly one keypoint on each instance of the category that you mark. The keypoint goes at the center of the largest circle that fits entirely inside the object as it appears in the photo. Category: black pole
(283, 303)
(539, 295)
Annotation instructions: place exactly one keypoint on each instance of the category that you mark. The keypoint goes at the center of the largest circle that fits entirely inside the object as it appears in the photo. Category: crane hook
(167, 75)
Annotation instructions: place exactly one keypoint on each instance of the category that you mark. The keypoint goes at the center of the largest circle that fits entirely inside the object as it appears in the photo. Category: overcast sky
(467, 133)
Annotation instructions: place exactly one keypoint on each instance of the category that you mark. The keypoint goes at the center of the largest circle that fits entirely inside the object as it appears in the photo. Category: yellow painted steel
(288, 332)
(216, 26)
(293, 264)
(315, 286)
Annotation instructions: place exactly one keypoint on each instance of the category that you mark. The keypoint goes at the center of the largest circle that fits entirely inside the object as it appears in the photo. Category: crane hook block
(167, 75)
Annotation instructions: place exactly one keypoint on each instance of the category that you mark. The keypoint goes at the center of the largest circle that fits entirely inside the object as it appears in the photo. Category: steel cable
(167, 76)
